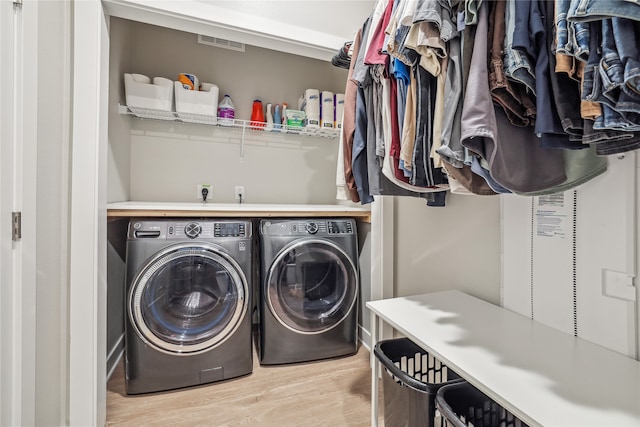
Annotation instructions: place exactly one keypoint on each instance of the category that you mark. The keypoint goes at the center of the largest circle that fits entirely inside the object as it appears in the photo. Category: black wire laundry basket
(463, 405)
(412, 379)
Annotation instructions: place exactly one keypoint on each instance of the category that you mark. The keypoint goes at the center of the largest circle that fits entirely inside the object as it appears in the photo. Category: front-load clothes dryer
(188, 317)
(309, 289)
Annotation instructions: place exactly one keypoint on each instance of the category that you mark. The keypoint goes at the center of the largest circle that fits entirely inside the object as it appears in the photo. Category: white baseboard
(114, 356)
(365, 337)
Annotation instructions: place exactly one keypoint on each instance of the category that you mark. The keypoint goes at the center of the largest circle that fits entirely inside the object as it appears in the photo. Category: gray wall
(119, 160)
(364, 316)
(456, 247)
(116, 271)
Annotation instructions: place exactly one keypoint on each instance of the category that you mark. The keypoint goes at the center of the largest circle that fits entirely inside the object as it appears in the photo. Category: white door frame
(18, 166)
(10, 381)
(88, 243)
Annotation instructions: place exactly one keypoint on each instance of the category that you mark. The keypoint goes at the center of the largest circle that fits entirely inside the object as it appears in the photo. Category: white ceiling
(317, 15)
(313, 28)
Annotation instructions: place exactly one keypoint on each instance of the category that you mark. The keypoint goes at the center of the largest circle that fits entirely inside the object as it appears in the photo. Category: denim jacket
(595, 10)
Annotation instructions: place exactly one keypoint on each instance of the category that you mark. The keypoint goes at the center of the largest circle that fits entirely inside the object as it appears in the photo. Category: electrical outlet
(240, 192)
(202, 187)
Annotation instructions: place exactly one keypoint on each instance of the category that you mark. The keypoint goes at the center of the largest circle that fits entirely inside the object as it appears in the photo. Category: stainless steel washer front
(188, 298)
(188, 302)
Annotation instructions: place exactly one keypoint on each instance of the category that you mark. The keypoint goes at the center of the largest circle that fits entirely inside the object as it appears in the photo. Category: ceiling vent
(223, 43)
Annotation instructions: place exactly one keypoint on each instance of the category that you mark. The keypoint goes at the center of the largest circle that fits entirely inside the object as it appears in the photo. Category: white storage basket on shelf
(197, 106)
(143, 95)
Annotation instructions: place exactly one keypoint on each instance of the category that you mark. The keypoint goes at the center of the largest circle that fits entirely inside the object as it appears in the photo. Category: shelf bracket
(244, 128)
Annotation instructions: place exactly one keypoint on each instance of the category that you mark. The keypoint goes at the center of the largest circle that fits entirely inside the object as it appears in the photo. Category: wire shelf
(243, 125)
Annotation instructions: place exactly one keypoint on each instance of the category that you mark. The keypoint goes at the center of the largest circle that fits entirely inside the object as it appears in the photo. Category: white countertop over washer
(542, 375)
(167, 209)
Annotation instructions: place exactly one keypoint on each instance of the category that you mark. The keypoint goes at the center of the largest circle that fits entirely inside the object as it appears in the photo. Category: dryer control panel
(308, 227)
(209, 229)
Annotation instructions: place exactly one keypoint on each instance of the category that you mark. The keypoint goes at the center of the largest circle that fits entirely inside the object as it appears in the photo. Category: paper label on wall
(552, 216)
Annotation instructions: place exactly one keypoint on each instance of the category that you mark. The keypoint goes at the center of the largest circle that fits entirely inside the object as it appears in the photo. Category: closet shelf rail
(244, 125)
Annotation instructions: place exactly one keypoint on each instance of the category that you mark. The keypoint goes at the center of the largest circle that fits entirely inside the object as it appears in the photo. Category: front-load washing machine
(188, 317)
(309, 289)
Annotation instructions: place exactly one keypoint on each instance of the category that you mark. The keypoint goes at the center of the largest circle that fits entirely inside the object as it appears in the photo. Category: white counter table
(228, 210)
(542, 375)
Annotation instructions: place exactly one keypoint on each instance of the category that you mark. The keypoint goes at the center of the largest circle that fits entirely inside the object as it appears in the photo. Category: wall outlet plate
(240, 192)
(201, 187)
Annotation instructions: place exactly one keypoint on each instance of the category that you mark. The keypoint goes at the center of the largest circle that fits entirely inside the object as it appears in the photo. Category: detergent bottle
(226, 111)
(257, 115)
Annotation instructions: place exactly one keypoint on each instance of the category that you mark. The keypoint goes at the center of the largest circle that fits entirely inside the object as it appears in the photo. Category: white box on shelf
(197, 106)
(141, 93)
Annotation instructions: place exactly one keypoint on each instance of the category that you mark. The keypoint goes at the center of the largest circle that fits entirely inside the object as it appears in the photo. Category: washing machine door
(311, 286)
(188, 298)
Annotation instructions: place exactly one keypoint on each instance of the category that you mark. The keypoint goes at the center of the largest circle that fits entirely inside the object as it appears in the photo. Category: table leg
(374, 371)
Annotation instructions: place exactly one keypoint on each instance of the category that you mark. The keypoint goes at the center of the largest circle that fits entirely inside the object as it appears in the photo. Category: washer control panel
(188, 229)
(305, 227)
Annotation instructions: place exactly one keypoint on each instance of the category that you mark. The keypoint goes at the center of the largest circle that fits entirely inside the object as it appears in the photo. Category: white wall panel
(606, 234)
(517, 227)
(570, 239)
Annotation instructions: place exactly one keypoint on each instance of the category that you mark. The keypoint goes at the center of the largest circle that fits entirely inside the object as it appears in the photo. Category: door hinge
(16, 226)
(17, 4)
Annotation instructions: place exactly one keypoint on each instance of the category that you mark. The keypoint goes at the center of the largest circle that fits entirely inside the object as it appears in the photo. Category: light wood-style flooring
(334, 392)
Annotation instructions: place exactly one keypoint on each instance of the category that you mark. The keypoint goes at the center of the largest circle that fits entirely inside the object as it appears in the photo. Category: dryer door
(188, 298)
(311, 286)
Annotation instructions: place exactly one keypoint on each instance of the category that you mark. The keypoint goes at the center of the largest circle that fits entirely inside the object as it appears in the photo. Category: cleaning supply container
(257, 116)
(226, 111)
